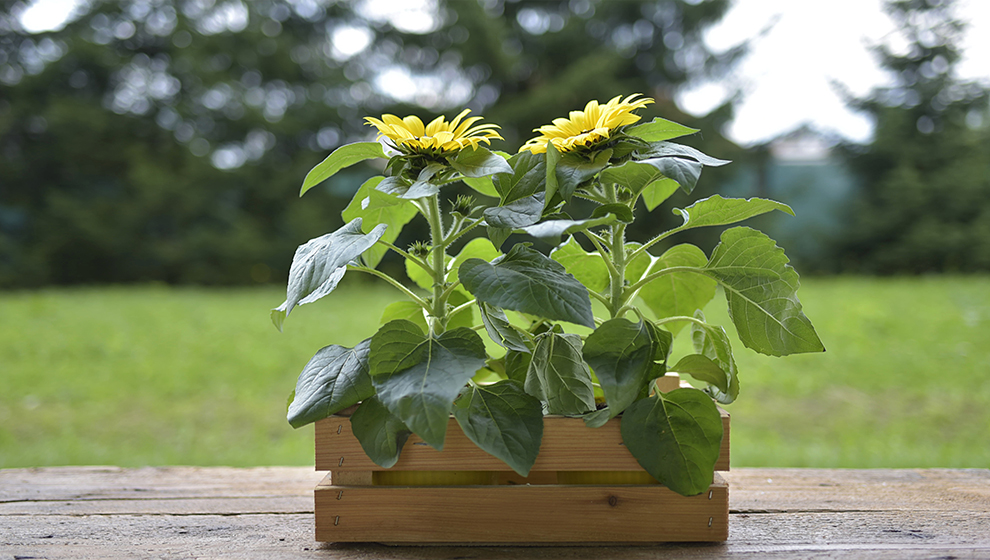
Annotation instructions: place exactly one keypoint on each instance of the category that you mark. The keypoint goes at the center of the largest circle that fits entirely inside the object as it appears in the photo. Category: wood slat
(519, 514)
(568, 445)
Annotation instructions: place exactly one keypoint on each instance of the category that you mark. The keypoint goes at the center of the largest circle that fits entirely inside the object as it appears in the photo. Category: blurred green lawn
(157, 375)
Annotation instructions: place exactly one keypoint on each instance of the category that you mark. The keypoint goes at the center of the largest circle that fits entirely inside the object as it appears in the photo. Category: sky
(787, 77)
(799, 48)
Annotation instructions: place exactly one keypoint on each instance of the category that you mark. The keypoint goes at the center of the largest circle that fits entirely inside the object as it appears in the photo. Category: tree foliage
(924, 200)
(161, 141)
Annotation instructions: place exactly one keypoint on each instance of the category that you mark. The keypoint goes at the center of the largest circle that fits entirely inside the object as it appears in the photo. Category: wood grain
(568, 445)
(519, 514)
(82, 513)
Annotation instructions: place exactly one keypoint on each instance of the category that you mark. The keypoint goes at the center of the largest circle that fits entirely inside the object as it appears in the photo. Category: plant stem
(617, 271)
(395, 283)
(651, 277)
(418, 261)
(438, 311)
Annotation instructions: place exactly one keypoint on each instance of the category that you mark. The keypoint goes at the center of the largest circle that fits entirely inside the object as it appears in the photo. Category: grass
(155, 375)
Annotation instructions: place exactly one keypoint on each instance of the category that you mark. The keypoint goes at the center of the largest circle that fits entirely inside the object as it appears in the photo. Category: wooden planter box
(585, 487)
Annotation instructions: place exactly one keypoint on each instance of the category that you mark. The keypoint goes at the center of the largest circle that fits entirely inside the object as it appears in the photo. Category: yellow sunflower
(411, 136)
(588, 127)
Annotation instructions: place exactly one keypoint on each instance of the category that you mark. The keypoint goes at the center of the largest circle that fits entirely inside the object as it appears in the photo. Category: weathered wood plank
(565, 446)
(516, 514)
(777, 514)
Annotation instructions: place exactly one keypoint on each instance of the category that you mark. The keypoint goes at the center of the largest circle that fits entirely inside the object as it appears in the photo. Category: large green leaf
(528, 177)
(344, 156)
(558, 375)
(554, 229)
(408, 310)
(588, 268)
(704, 369)
(761, 289)
(620, 353)
(479, 162)
(376, 207)
(477, 248)
(525, 280)
(483, 185)
(504, 421)
(517, 365)
(678, 293)
(516, 214)
(676, 438)
(718, 211)
(712, 342)
(659, 129)
(573, 169)
(656, 193)
(501, 330)
(684, 172)
(334, 379)
(380, 433)
(633, 175)
(671, 149)
(552, 157)
(320, 263)
(418, 377)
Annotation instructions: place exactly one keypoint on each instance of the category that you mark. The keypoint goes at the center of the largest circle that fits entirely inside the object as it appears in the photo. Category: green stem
(438, 311)
(597, 242)
(454, 235)
(395, 283)
(651, 277)
(642, 249)
(418, 261)
(618, 270)
(461, 307)
(680, 318)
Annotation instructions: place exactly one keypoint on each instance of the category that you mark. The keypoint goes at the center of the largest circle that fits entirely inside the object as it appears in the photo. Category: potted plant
(557, 371)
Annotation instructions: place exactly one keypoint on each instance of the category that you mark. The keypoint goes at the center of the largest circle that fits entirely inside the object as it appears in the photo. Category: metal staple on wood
(336, 520)
(710, 492)
(709, 521)
(340, 495)
(339, 428)
(341, 463)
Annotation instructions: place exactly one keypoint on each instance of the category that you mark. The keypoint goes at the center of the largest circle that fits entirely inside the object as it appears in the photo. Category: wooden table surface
(267, 513)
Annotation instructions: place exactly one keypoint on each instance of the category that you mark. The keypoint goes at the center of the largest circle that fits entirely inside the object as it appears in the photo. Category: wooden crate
(585, 487)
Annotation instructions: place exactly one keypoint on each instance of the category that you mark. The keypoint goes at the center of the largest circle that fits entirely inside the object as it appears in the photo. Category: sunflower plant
(550, 350)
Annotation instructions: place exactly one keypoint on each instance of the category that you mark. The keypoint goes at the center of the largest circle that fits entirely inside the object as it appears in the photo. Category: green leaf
(718, 211)
(517, 214)
(633, 175)
(425, 186)
(598, 418)
(528, 177)
(344, 156)
(483, 185)
(407, 310)
(663, 340)
(464, 317)
(504, 421)
(477, 248)
(678, 293)
(379, 432)
(587, 268)
(574, 169)
(552, 158)
(704, 369)
(334, 379)
(656, 193)
(676, 438)
(554, 229)
(659, 129)
(621, 211)
(620, 353)
(320, 263)
(500, 330)
(712, 342)
(671, 149)
(376, 207)
(525, 280)
(558, 375)
(418, 377)
(684, 172)
(498, 235)
(517, 365)
(479, 162)
(761, 289)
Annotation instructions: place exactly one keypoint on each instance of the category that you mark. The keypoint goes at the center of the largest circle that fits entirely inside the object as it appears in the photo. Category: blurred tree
(923, 203)
(166, 139)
